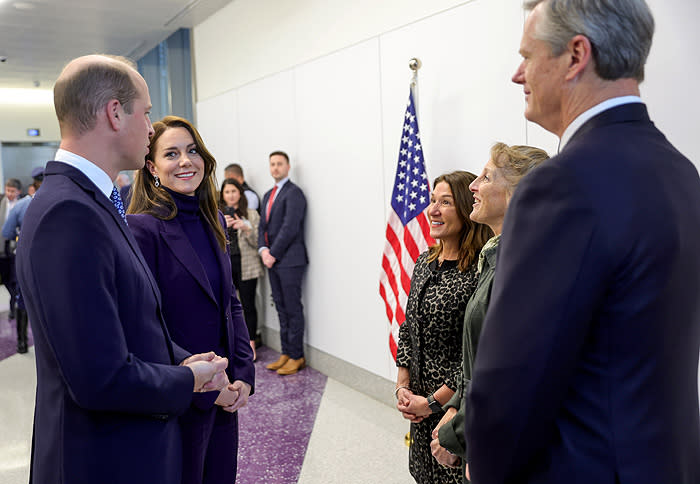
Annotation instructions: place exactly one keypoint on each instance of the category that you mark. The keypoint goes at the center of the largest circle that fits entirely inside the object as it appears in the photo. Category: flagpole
(414, 64)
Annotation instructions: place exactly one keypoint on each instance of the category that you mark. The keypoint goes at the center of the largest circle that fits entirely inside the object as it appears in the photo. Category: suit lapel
(176, 239)
(279, 196)
(79, 178)
(85, 184)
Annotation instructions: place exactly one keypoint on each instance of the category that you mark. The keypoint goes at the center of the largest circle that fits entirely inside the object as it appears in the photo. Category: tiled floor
(304, 428)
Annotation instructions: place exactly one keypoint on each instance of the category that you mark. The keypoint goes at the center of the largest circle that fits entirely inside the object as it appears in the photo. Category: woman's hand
(229, 221)
(413, 407)
(442, 455)
(239, 224)
(234, 396)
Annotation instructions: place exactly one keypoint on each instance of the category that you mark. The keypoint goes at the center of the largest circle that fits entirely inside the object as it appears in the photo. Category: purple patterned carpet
(276, 425)
(8, 336)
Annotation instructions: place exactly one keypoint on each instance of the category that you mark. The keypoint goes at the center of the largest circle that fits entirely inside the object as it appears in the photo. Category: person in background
(110, 381)
(123, 183)
(13, 189)
(235, 171)
(242, 225)
(587, 367)
(283, 251)
(175, 219)
(429, 350)
(10, 231)
(492, 191)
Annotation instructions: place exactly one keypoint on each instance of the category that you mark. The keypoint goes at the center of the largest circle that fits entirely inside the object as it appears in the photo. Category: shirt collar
(586, 115)
(96, 174)
(281, 183)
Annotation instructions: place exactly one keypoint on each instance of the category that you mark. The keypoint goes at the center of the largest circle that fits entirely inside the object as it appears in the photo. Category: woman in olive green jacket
(492, 192)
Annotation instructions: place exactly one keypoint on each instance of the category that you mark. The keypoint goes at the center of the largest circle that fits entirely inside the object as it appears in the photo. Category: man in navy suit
(282, 248)
(109, 387)
(586, 370)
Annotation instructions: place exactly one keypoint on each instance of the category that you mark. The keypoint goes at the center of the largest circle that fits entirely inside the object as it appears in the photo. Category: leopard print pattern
(430, 346)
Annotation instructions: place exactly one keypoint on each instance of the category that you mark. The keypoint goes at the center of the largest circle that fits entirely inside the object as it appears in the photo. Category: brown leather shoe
(292, 366)
(279, 363)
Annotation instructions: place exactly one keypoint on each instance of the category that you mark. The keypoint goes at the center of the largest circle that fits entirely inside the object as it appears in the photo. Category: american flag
(408, 230)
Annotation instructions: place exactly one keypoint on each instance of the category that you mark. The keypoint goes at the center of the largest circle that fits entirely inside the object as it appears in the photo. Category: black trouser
(9, 279)
(246, 292)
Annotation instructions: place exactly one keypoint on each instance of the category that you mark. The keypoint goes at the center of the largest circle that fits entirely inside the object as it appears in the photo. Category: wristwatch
(434, 404)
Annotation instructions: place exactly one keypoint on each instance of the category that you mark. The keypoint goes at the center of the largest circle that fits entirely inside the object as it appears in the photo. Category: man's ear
(115, 114)
(581, 53)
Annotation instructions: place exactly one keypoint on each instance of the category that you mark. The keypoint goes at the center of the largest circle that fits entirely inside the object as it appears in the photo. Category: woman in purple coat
(174, 216)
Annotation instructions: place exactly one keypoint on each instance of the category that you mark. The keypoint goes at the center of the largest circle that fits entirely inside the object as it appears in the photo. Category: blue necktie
(117, 201)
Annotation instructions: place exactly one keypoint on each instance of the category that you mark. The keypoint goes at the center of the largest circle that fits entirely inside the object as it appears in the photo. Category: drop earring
(157, 183)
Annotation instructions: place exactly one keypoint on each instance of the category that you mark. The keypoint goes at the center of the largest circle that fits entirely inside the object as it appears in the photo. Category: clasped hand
(413, 407)
(209, 371)
(233, 396)
(267, 258)
(442, 455)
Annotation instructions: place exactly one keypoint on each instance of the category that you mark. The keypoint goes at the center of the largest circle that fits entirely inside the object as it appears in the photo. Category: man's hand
(208, 370)
(267, 258)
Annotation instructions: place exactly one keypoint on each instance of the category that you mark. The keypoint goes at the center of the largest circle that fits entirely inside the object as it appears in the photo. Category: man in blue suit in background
(283, 251)
(586, 370)
(110, 382)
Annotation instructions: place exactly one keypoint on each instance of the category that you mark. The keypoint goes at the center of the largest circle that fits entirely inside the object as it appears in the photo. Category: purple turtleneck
(201, 237)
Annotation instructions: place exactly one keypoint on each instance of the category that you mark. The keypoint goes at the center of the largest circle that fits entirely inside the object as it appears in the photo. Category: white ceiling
(38, 37)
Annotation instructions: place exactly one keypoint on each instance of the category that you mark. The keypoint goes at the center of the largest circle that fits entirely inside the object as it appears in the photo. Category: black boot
(22, 323)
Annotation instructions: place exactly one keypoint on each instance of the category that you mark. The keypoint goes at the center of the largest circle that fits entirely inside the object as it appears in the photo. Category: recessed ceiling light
(24, 5)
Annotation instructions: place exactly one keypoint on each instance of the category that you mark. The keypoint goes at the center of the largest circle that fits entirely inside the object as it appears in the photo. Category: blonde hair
(514, 162)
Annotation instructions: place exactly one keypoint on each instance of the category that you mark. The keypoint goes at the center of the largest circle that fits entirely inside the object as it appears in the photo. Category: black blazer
(108, 384)
(587, 365)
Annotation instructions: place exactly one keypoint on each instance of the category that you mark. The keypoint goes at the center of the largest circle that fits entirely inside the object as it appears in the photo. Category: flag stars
(400, 186)
(422, 199)
(414, 195)
(402, 175)
(414, 183)
(405, 139)
(415, 171)
(411, 207)
(399, 198)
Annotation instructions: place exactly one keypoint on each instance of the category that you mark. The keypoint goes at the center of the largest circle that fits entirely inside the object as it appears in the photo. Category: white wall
(327, 81)
(15, 119)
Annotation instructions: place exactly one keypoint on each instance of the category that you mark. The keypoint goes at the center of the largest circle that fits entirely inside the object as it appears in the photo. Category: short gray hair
(620, 32)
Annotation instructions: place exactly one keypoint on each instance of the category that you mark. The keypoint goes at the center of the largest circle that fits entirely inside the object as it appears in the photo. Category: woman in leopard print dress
(430, 340)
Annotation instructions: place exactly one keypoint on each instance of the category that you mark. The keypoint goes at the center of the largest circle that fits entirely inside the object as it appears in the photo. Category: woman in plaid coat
(246, 266)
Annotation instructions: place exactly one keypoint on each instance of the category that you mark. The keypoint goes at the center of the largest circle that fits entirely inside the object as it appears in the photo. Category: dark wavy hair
(474, 235)
(156, 201)
(242, 210)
